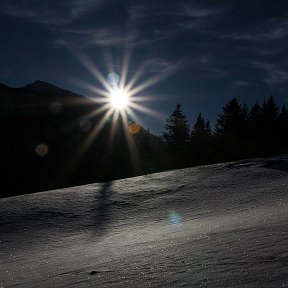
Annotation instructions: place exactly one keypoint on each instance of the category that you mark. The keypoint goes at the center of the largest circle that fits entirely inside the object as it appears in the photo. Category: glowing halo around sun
(119, 99)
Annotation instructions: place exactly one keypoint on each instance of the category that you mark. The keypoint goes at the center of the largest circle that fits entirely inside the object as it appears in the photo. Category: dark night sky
(218, 49)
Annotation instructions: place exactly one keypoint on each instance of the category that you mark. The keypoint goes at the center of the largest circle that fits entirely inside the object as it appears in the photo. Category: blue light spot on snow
(175, 218)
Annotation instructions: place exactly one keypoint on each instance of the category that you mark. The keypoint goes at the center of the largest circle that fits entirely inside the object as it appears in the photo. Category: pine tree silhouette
(283, 129)
(269, 126)
(254, 129)
(232, 119)
(201, 129)
(177, 129)
(231, 130)
(201, 142)
(176, 137)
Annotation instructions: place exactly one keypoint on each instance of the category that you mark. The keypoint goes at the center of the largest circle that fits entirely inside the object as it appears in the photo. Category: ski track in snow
(222, 225)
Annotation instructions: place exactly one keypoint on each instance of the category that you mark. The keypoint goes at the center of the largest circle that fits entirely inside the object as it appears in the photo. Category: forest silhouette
(43, 128)
(239, 133)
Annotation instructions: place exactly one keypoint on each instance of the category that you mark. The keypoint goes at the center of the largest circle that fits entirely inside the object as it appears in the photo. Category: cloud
(205, 59)
(207, 72)
(59, 43)
(137, 12)
(108, 36)
(128, 33)
(196, 17)
(103, 36)
(271, 30)
(142, 25)
(158, 65)
(55, 13)
(239, 84)
(80, 7)
(199, 12)
(184, 16)
(111, 37)
(267, 52)
(276, 77)
(274, 74)
(266, 36)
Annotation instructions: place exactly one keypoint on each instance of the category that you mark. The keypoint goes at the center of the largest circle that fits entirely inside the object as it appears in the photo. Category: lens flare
(134, 128)
(41, 150)
(175, 218)
(113, 79)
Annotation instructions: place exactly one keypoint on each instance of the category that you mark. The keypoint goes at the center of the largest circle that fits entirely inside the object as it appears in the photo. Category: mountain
(38, 95)
(47, 141)
(45, 87)
(222, 225)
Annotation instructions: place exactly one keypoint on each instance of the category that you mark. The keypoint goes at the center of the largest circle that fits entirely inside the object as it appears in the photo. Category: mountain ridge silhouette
(45, 145)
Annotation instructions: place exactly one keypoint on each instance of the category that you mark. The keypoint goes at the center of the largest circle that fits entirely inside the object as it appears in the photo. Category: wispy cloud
(272, 30)
(274, 74)
(199, 11)
(142, 25)
(128, 32)
(109, 36)
(97, 36)
(240, 84)
(267, 52)
(138, 11)
(197, 17)
(277, 77)
(48, 12)
(80, 7)
(158, 65)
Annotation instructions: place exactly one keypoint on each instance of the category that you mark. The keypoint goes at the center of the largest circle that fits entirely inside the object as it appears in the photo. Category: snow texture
(222, 225)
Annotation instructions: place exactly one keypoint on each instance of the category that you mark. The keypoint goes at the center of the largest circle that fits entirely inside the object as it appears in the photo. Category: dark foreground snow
(214, 226)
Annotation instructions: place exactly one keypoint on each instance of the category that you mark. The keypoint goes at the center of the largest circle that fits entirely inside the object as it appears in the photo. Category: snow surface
(222, 225)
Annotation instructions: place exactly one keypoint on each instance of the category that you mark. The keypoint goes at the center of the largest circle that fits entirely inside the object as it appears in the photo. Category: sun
(119, 99)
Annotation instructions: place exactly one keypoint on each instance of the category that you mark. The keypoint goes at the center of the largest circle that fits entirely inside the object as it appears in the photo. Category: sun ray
(91, 137)
(87, 116)
(134, 117)
(125, 66)
(94, 89)
(155, 79)
(88, 64)
(97, 111)
(134, 156)
(148, 83)
(113, 128)
(148, 111)
(139, 72)
(138, 98)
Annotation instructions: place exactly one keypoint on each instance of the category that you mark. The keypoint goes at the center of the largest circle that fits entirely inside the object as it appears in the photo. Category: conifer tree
(176, 137)
(255, 129)
(270, 126)
(177, 129)
(232, 119)
(201, 130)
(254, 117)
(231, 131)
(201, 142)
(283, 129)
(270, 110)
(283, 118)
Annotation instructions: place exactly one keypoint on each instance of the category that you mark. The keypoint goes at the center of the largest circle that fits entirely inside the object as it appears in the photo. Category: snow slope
(223, 225)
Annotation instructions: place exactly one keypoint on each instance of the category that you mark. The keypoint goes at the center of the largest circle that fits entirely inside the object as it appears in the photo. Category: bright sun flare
(119, 99)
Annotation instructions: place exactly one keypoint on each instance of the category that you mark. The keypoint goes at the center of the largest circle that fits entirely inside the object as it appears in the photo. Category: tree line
(43, 148)
(239, 132)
